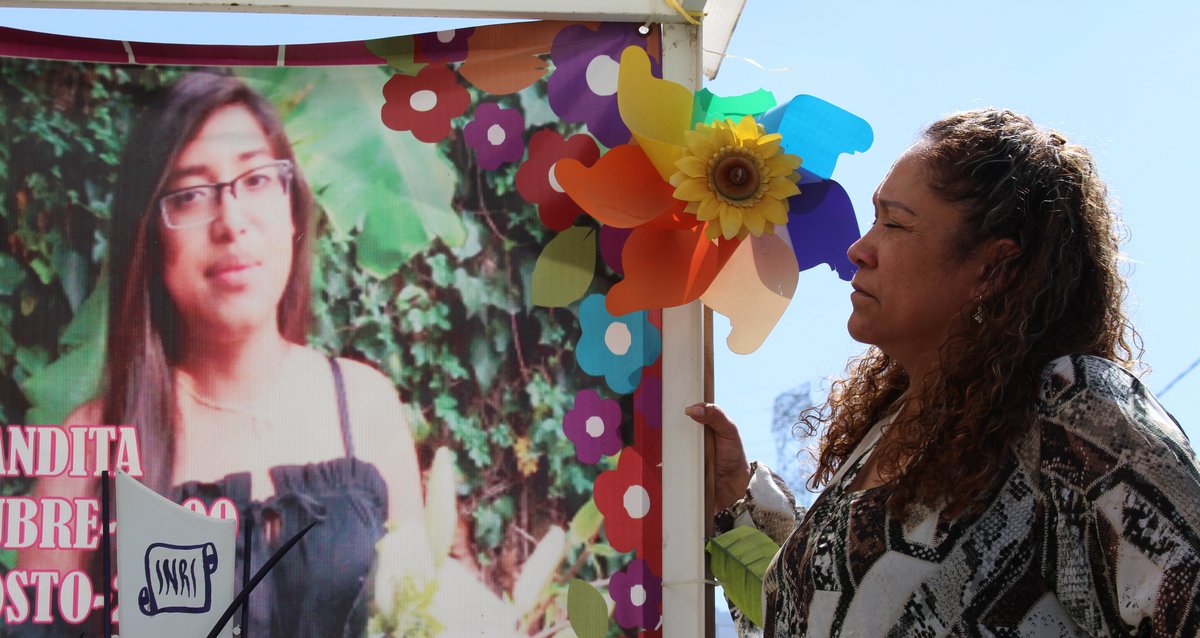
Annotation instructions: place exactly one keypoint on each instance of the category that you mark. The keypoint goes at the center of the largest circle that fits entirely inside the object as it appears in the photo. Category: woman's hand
(729, 458)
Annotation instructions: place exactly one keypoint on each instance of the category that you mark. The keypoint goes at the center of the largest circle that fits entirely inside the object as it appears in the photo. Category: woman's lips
(860, 291)
(232, 273)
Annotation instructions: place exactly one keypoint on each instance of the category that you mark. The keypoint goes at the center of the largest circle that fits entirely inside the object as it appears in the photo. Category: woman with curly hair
(989, 466)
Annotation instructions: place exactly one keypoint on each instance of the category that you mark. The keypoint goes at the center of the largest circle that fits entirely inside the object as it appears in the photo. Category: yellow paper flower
(737, 177)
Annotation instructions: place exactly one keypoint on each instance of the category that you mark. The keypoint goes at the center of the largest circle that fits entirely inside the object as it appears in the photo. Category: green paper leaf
(586, 610)
(708, 106)
(739, 560)
(586, 522)
(565, 268)
(398, 52)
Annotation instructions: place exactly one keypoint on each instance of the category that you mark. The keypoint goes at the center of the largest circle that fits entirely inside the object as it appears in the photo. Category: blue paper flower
(616, 348)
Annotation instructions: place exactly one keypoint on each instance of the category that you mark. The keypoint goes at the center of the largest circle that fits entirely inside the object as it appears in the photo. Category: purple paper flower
(496, 135)
(583, 87)
(594, 426)
(612, 241)
(441, 46)
(638, 595)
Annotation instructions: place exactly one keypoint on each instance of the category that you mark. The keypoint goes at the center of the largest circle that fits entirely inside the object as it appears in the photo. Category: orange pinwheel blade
(621, 189)
(665, 268)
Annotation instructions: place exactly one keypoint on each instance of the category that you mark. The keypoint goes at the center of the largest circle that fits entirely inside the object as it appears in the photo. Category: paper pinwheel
(705, 195)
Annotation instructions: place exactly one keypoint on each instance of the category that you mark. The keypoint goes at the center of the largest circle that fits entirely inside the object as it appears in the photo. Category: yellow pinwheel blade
(657, 112)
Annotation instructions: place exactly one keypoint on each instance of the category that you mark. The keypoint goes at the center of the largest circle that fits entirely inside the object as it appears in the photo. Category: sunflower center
(736, 176)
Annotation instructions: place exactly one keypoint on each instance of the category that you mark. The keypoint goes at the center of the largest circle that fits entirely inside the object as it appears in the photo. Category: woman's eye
(189, 198)
(256, 181)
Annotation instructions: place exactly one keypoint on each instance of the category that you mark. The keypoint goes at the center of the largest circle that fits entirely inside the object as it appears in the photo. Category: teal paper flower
(616, 348)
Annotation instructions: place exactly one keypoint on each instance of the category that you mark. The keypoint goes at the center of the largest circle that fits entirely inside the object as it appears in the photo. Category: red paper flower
(425, 103)
(441, 46)
(535, 178)
(630, 497)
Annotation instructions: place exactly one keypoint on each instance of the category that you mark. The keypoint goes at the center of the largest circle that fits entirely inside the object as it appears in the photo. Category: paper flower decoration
(691, 191)
(425, 103)
(616, 348)
(594, 426)
(736, 177)
(496, 135)
(583, 87)
(441, 46)
(630, 497)
(647, 401)
(612, 242)
(637, 593)
(536, 181)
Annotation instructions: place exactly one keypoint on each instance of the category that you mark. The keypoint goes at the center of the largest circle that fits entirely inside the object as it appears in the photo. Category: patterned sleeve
(1121, 494)
(768, 506)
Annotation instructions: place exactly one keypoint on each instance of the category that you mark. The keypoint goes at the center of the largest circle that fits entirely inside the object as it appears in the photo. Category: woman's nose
(862, 252)
(231, 218)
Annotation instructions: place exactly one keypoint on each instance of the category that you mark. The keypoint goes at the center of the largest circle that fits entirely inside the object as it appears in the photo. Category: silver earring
(978, 316)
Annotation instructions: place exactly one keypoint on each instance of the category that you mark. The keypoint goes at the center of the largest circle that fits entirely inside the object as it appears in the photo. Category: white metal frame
(610, 10)
(683, 454)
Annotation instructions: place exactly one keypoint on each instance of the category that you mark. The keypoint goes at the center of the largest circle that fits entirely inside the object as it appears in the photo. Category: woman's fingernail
(695, 411)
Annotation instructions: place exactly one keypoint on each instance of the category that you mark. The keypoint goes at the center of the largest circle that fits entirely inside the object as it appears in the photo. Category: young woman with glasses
(209, 269)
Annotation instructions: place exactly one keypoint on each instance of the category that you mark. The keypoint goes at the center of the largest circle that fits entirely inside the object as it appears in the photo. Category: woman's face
(910, 285)
(226, 276)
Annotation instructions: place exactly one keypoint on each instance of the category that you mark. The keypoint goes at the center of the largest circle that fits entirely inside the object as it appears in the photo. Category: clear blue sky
(1114, 76)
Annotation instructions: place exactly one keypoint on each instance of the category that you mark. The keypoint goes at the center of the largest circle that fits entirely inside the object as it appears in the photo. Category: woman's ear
(995, 266)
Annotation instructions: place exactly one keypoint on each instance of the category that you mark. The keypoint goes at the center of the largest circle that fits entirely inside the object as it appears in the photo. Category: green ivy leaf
(91, 321)
(484, 361)
(586, 610)
(11, 274)
(54, 390)
(565, 269)
(739, 560)
(63, 385)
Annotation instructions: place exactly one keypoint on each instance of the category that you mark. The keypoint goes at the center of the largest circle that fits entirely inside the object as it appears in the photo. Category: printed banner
(335, 283)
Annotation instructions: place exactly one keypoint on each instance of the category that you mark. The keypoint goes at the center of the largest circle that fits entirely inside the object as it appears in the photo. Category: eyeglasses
(199, 205)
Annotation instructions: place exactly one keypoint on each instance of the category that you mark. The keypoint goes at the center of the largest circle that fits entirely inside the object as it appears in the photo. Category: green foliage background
(422, 267)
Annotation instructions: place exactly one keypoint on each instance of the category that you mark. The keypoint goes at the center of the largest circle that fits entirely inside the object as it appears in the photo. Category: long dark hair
(1061, 293)
(143, 324)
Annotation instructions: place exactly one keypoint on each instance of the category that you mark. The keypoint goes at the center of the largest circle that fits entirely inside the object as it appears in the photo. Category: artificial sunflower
(737, 177)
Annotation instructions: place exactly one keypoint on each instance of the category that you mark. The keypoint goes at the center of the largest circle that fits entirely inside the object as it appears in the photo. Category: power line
(1180, 377)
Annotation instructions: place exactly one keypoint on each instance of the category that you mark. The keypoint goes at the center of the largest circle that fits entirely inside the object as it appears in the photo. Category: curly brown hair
(1060, 293)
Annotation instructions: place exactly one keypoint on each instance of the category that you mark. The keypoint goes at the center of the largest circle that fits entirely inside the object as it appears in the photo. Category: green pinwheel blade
(739, 560)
